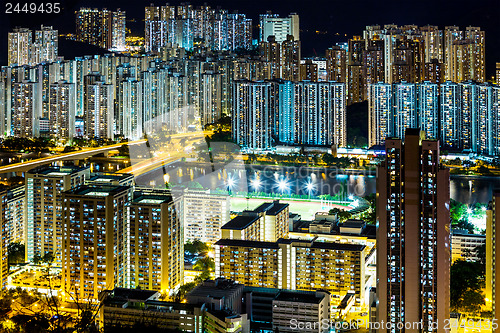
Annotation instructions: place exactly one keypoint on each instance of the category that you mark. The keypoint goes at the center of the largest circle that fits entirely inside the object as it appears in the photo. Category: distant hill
(357, 124)
(71, 49)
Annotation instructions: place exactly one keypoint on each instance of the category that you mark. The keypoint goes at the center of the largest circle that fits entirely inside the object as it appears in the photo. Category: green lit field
(306, 209)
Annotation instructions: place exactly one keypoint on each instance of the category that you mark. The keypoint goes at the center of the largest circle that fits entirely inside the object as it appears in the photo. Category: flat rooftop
(133, 294)
(55, 171)
(218, 288)
(293, 242)
(299, 296)
(271, 208)
(151, 199)
(240, 222)
(247, 243)
(97, 191)
(369, 230)
(109, 177)
(323, 245)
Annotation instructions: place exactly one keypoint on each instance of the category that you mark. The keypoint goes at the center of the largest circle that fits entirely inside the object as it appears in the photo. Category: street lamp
(310, 187)
(282, 185)
(230, 183)
(256, 184)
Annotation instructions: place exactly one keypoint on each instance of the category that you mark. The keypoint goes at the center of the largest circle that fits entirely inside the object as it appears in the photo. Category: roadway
(175, 151)
(84, 153)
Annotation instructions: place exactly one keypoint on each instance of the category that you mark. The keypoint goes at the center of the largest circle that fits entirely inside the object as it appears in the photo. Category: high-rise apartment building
(45, 46)
(465, 54)
(450, 112)
(413, 246)
(492, 248)
(405, 108)
(452, 34)
(319, 113)
(295, 264)
(204, 214)
(11, 221)
(266, 223)
(434, 71)
(253, 112)
(313, 111)
(62, 109)
(309, 71)
(336, 65)
(485, 133)
(14, 214)
(89, 23)
(477, 62)
(156, 242)
(129, 116)
(118, 30)
(462, 115)
(270, 51)
(468, 115)
(44, 208)
(196, 28)
(380, 116)
(99, 110)
(290, 60)
(427, 96)
(102, 28)
(497, 73)
(280, 27)
(26, 111)
(210, 100)
(19, 46)
(96, 241)
(433, 41)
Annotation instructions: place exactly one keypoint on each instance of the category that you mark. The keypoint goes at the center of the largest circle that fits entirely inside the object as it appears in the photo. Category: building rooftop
(56, 171)
(168, 306)
(271, 208)
(223, 314)
(241, 222)
(368, 230)
(133, 294)
(109, 177)
(247, 243)
(293, 242)
(216, 288)
(151, 199)
(299, 296)
(97, 191)
(353, 224)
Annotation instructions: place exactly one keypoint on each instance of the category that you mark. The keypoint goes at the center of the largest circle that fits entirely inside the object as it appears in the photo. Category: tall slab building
(43, 212)
(413, 245)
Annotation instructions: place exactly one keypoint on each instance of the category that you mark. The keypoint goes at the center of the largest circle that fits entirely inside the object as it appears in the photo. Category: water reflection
(468, 190)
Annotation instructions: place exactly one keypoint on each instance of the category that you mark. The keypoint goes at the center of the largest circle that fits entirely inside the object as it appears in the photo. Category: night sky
(342, 17)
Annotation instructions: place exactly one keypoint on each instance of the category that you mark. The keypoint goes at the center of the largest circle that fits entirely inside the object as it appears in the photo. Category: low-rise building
(463, 245)
(266, 223)
(218, 294)
(282, 310)
(204, 213)
(296, 264)
(128, 308)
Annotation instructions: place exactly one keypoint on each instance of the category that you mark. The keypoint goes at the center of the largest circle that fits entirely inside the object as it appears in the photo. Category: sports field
(306, 209)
